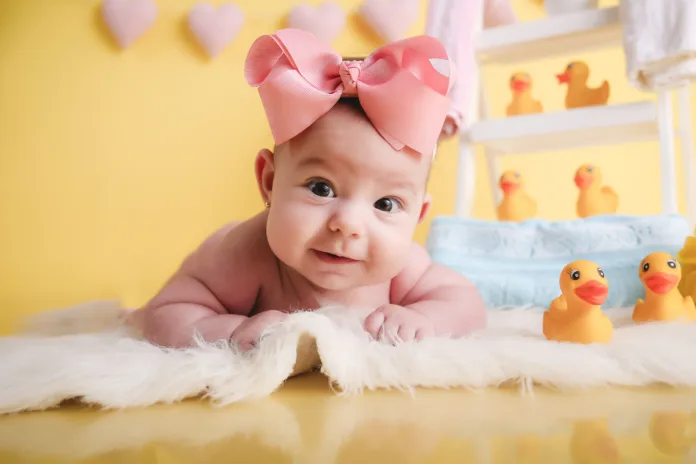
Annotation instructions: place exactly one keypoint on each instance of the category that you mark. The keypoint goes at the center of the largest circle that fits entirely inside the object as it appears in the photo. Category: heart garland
(390, 19)
(129, 19)
(215, 28)
(325, 22)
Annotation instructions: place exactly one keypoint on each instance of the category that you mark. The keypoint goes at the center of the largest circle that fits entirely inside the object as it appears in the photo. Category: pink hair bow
(300, 79)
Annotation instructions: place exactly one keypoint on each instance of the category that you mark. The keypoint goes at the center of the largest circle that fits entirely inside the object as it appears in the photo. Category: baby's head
(343, 203)
(346, 181)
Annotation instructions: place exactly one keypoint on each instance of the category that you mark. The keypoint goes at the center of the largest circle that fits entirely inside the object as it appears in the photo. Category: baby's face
(345, 204)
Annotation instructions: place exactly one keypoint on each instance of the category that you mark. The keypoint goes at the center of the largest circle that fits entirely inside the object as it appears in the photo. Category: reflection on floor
(306, 422)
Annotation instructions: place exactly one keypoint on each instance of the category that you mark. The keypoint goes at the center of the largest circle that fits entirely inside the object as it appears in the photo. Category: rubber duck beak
(508, 187)
(563, 78)
(519, 85)
(593, 292)
(582, 181)
(661, 282)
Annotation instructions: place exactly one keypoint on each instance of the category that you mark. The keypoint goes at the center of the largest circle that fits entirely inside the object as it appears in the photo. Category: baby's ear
(425, 208)
(265, 172)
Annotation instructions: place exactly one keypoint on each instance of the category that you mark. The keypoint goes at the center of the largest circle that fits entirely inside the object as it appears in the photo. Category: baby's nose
(348, 220)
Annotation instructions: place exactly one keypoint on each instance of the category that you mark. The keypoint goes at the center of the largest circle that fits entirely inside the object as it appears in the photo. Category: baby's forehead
(347, 126)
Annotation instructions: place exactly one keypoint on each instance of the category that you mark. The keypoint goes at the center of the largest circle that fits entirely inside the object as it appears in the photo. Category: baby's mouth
(332, 258)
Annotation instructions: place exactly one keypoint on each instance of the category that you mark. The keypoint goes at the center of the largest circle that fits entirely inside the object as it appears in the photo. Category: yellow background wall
(114, 164)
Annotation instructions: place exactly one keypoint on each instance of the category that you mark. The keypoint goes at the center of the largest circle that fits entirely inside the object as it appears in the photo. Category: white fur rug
(83, 353)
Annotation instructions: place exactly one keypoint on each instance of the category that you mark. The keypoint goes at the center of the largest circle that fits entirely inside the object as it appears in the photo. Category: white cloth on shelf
(659, 42)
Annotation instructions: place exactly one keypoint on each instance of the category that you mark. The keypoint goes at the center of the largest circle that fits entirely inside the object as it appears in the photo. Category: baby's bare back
(232, 276)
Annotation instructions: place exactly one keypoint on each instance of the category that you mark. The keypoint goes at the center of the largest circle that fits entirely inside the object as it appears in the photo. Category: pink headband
(300, 79)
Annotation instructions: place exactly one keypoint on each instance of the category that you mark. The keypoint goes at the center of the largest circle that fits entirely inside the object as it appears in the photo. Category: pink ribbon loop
(300, 79)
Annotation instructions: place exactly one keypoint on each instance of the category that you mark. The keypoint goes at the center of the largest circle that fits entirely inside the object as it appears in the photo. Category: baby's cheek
(390, 250)
(285, 233)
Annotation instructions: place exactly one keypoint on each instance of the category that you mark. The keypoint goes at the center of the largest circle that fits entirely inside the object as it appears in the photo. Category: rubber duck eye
(517, 174)
(601, 273)
(590, 169)
(672, 264)
(575, 275)
(646, 266)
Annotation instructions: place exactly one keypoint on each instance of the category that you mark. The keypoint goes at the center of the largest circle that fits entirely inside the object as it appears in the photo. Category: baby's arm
(430, 299)
(211, 294)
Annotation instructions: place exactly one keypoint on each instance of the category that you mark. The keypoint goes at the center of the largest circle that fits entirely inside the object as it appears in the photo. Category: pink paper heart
(129, 19)
(326, 21)
(390, 19)
(214, 27)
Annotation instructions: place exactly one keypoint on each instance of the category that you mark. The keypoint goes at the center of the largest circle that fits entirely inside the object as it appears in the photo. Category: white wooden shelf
(564, 37)
(561, 35)
(567, 129)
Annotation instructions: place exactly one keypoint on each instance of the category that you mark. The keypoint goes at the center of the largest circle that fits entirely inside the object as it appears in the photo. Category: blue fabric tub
(520, 263)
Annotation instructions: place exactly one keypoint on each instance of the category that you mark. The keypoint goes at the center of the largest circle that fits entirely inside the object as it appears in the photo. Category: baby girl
(344, 189)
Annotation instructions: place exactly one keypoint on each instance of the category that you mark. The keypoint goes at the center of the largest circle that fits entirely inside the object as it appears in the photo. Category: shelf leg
(667, 164)
(686, 138)
(492, 160)
(494, 173)
(466, 179)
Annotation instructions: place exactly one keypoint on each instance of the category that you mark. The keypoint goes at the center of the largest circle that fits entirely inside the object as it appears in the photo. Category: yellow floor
(306, 422)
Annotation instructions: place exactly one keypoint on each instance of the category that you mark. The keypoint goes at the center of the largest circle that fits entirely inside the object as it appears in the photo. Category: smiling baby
(344, 189)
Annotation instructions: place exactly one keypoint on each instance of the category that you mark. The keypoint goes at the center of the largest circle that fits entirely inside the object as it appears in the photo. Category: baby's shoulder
(416, 264)
(417, 261)
(247, 241)
(237, 247)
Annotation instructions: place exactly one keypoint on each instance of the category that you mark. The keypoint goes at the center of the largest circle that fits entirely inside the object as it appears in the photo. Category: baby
(344, 189)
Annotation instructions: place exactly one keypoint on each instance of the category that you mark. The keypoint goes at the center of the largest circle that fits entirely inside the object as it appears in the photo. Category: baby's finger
(390, 332)
(246, 345)
(424, 332)
(244, 341)
(373, 323)
(407, 333)
(247, 336)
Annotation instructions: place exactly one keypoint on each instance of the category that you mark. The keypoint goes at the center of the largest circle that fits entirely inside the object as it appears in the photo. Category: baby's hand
(248, 332)
(398, 324)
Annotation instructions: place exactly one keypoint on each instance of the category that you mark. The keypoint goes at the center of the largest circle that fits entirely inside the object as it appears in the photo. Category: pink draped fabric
(454, 23)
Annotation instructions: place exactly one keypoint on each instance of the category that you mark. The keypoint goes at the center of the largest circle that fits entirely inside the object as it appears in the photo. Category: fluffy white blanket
(83, 353)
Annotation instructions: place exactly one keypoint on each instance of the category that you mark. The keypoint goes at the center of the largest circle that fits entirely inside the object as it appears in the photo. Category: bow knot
(402, 93)
(350, 72)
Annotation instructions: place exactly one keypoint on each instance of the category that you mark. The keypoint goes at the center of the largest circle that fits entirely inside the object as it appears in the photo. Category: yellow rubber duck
(593, 198)
(576, 316)
(516, 204)
(579, 95)
(522, 100)
(687, 258)
(660, 274)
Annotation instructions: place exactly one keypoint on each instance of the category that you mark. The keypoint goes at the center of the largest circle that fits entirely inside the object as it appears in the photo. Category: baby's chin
(344, 281)
(333, 283)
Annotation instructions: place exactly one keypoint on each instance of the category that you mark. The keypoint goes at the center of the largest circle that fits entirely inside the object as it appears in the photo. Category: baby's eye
(320, 188)
(389, 205)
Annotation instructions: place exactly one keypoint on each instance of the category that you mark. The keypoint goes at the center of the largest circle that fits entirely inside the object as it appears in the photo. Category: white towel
(659, 42)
